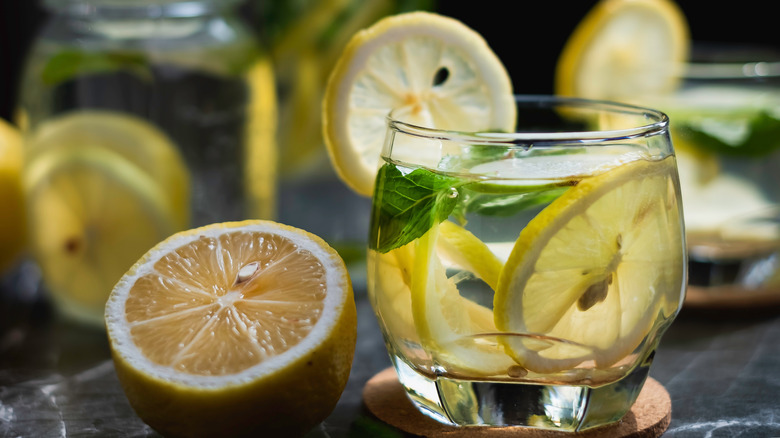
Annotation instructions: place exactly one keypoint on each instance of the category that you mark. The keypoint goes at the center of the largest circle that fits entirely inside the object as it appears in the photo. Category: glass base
(554, 407)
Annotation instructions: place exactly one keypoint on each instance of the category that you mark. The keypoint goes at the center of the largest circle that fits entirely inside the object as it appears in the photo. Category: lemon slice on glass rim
(599, 307)
(234, 329)
(624, 49)
(432, 70)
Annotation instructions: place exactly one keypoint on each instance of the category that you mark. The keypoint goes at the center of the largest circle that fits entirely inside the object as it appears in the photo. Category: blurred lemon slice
(12, 227)
(131, 138)
(235, 329)
(91, 215)
(434, 70)
(601, 306)
(624, 49)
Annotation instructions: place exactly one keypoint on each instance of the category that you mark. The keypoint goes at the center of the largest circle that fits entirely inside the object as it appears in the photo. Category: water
(464, 352)
(205, 115)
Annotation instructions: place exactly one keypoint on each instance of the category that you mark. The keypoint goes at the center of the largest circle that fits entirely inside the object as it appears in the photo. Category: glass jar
(141, 118)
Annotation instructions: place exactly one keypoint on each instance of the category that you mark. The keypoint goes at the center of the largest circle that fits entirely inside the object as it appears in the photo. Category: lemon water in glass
(526, 278)
(726, 130)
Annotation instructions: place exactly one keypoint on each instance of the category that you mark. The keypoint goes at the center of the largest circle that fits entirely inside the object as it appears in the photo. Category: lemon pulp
(234, 329)
(432, 70)
(595, 271)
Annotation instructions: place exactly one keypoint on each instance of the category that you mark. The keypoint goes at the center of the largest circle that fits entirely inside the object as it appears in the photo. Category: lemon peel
(432, 69)
(236, 329)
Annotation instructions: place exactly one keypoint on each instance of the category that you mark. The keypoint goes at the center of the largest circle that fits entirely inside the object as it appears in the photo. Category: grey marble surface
(721, 369)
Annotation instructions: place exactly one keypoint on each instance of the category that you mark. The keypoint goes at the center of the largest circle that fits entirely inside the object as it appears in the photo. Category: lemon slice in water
(92, 214)
(595, 270)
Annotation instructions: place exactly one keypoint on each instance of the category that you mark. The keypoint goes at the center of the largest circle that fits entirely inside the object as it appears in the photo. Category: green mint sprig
(409, 204)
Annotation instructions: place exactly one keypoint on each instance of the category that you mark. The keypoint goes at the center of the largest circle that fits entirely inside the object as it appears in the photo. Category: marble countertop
(721, 369)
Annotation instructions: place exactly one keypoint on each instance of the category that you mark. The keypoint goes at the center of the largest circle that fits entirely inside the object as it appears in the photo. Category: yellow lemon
(134, 139)
(101, 188)
(234, 329)
(603, 305)
(91, 215)
(624, 49)
(12, 227)
(432, 69)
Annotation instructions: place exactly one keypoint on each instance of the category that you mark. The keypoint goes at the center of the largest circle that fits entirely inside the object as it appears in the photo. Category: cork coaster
(386, 399)
(732, 297)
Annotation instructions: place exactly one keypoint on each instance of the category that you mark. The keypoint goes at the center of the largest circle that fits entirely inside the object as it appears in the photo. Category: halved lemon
(91, 215)
(591, 274)
(433, 70)
(624, 49)
(12, 226)
(234, 329)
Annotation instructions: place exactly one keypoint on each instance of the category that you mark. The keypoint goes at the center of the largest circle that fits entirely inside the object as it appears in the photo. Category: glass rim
(132, 9)
(657, 127)
(731, 70)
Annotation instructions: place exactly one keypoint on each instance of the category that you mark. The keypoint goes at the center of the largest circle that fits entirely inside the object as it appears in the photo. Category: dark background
(527, 35)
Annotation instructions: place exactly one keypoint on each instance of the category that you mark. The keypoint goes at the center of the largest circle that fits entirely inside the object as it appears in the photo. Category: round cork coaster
(386, 399)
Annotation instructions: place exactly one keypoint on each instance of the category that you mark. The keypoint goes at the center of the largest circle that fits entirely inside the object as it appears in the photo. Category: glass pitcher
(141, 118)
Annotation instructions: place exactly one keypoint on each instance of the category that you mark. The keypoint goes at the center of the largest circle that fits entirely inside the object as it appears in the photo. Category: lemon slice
(458, 335)
(434, 70)
(134, 139)
(464, 250)
(440, 319)
(91, 215)
(12, 227)
(591, 274)
(624, 49)
(235, 329)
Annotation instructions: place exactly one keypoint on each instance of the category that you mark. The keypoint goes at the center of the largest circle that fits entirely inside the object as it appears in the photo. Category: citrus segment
(623, 49)
(92, 214)
(431, 69)
(591, 273)
(233, 329)
(12, 226)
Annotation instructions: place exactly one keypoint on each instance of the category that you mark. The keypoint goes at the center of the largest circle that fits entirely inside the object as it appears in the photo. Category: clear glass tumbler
(525, 278)
(726, 132)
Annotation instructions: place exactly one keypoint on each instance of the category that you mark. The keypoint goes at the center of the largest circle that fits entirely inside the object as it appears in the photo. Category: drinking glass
(726, 131)
(525, 278)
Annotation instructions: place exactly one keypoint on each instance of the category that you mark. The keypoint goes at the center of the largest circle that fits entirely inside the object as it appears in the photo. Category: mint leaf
(508, 204)
(761, 139)
(408, 205)
(70, 63)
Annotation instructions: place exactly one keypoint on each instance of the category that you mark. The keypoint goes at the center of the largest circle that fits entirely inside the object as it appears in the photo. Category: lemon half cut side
(234, 329)
(434, 70)
(595, 269)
